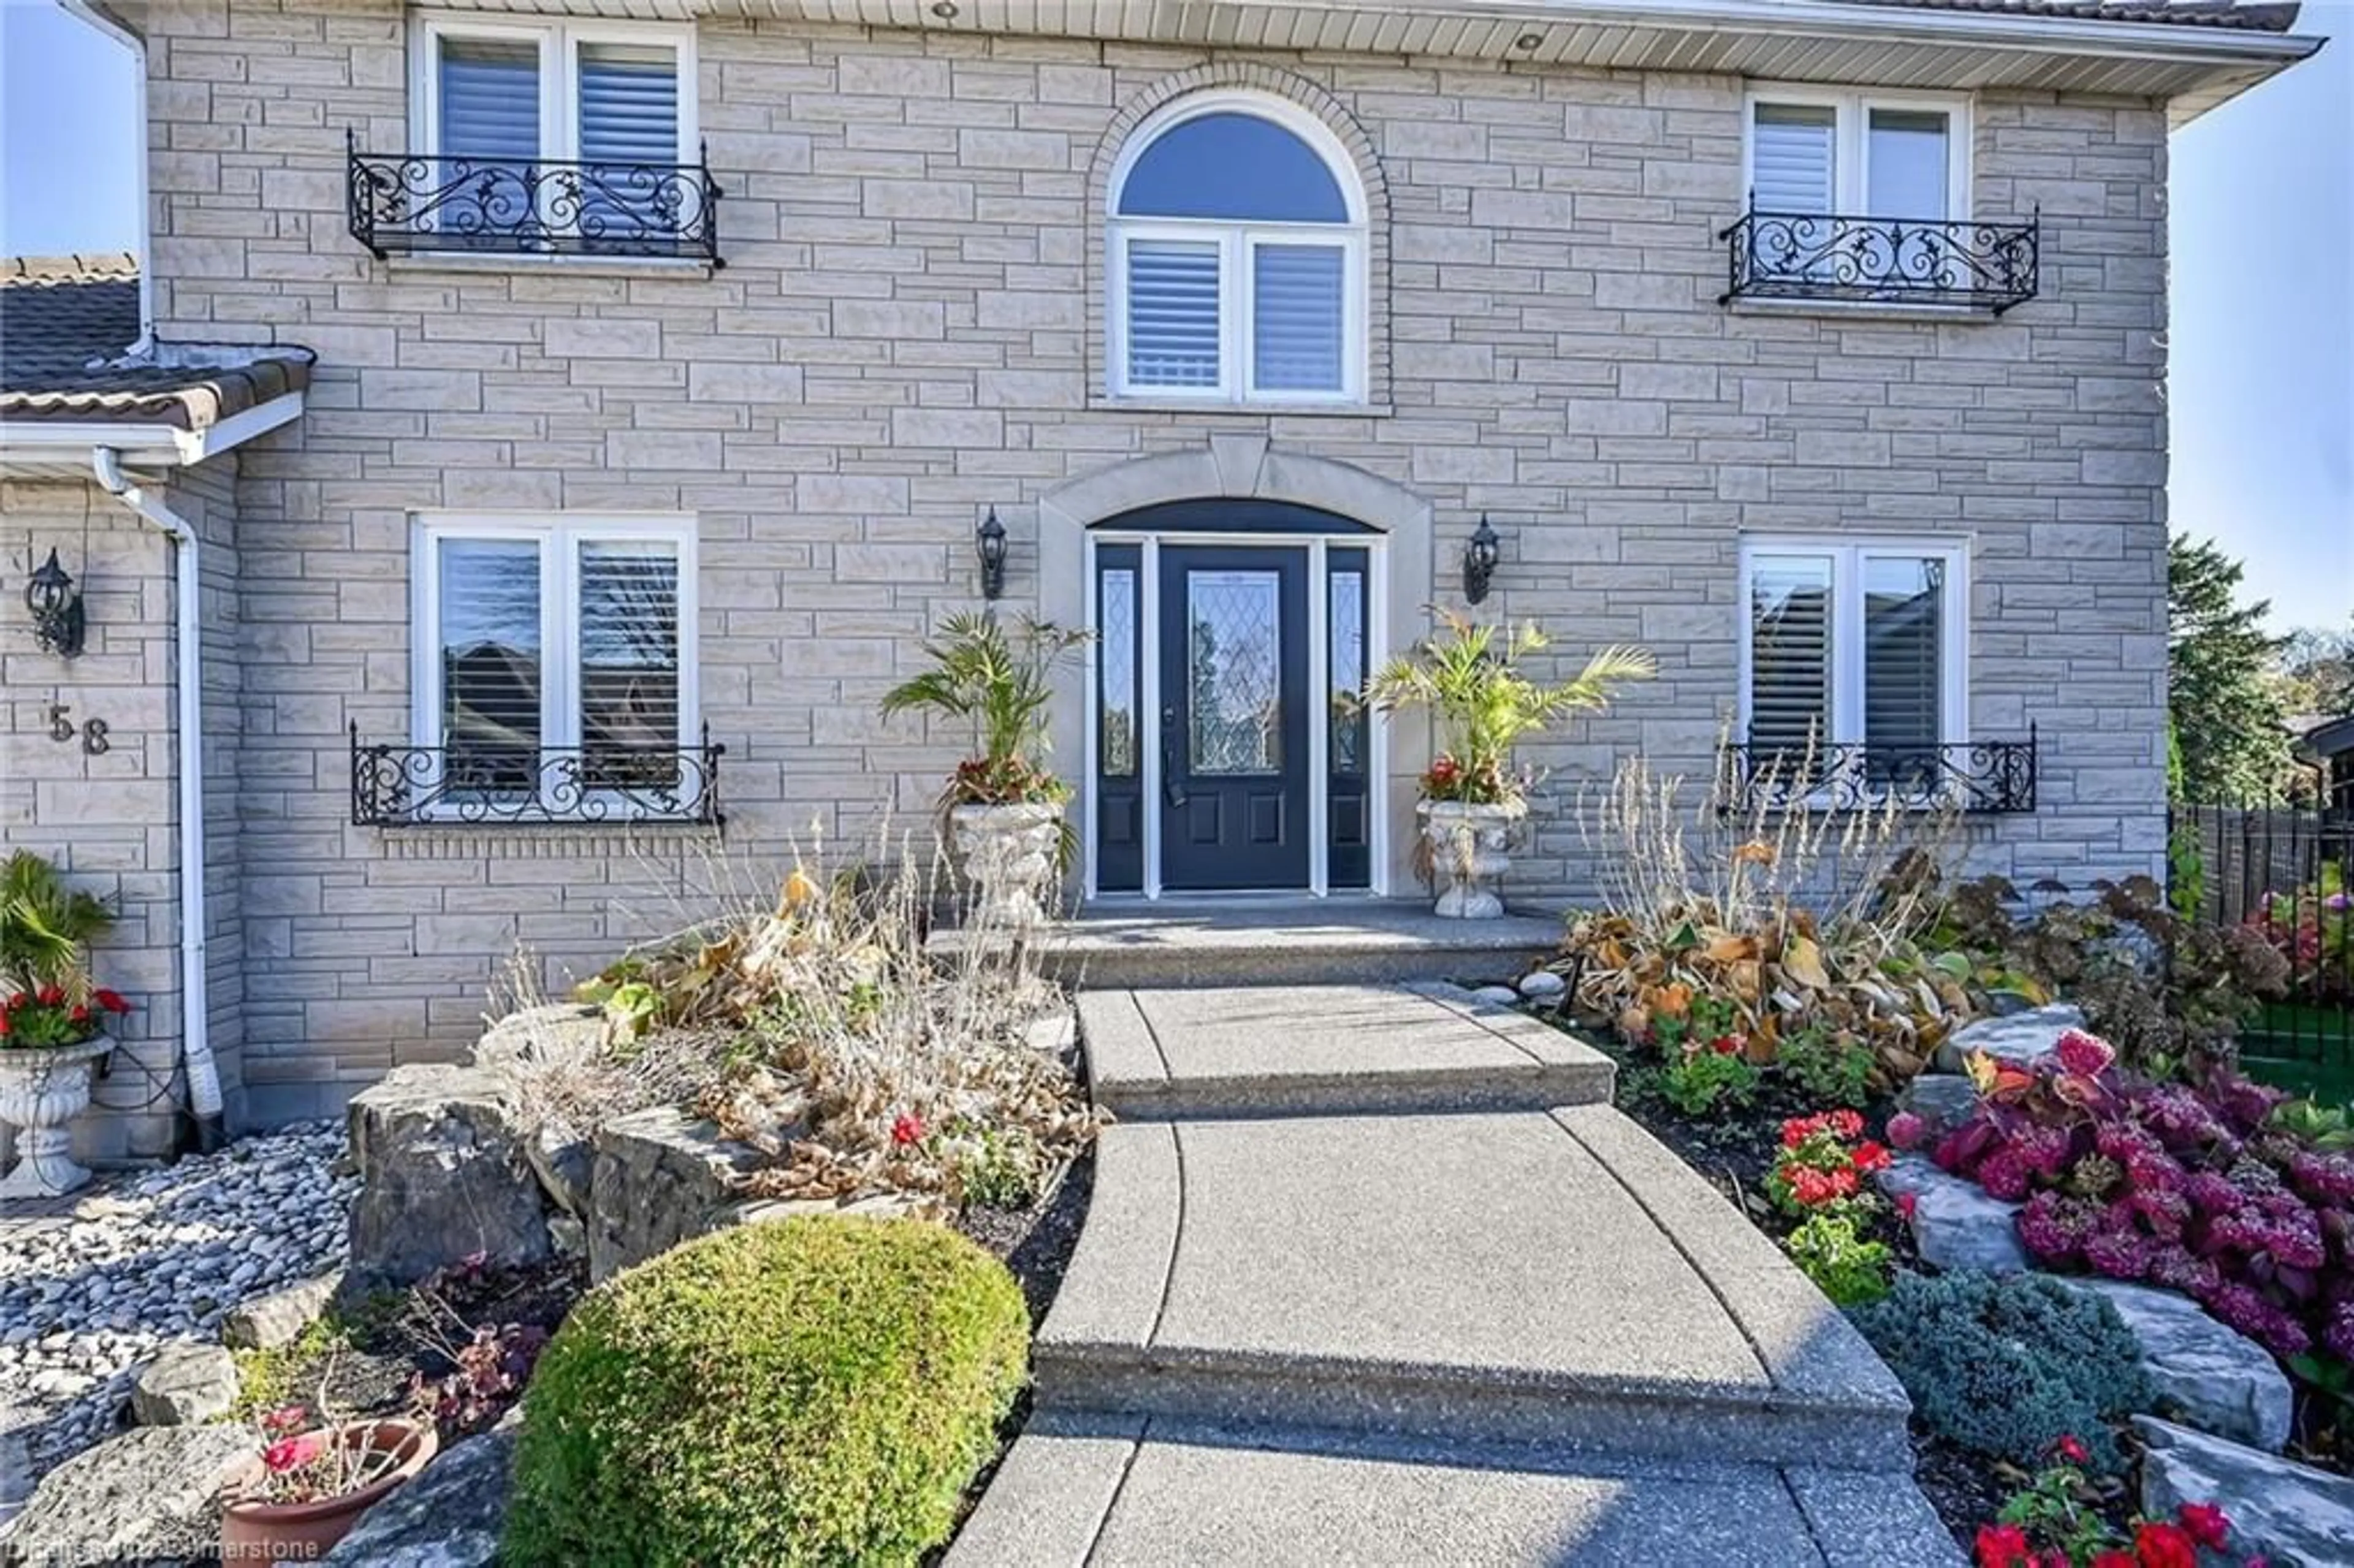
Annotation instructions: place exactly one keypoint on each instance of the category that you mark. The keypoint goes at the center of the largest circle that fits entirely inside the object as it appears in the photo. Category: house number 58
(62, 730)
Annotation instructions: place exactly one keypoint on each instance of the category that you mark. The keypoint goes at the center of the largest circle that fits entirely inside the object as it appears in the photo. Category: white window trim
(559, 76)
(1237, 239)
(1851, 176)
(1848, 555)
(558, 537)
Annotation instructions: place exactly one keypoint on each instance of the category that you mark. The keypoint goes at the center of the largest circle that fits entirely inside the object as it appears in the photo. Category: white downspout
(196, 1020)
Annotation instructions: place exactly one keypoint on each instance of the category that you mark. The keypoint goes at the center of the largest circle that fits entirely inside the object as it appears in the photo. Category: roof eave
(142, 443)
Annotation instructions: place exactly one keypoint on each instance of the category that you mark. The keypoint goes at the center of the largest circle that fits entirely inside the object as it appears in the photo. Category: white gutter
(196, 1018)
(146, 445)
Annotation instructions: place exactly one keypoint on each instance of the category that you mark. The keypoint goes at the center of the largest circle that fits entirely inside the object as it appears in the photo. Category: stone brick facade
(907, 331)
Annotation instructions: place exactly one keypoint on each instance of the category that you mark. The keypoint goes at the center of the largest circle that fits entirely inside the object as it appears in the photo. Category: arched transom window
(1237, 256)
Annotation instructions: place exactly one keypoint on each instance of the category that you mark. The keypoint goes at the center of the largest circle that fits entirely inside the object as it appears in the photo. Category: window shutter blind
(1172, 313)
(1296, 317)
(1792, 157)
(491, 663)
(490, 99)
(629, 104)
(1790, 657)
(1903, 621)
(629, 663)
(1907, 158)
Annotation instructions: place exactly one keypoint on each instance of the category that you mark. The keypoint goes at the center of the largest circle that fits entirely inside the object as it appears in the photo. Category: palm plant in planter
(1003, 807)
(1483, 703)
(52, 1020)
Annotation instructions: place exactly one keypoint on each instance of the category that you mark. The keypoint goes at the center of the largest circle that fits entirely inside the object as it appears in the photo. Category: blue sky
(2262, 391)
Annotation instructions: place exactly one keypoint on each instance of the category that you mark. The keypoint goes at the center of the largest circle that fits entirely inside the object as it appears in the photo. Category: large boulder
(550, 1035)
(662, 1176)
(2017, 1038)
(2287, 1514)
(186, 1386)
(1955, 1224)
(2218, 1378)
(449, 1517)
(148, 1497)
(444, 1175)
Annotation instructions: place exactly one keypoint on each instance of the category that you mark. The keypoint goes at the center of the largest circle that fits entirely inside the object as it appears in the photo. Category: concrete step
(1327, 1050)
(1557, 1283)
(1292, 942)
(1131, 1492)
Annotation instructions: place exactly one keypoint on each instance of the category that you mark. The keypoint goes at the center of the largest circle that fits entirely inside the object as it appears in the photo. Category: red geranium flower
(1846, 1123)
(2004, 1546)
(1907, 1202)
(2072, 1450)
(906, 1128)
(51, 995)
(2162, 1545)
(292, 1453)
(19, 999)
(2205, 1523)
(2112, 1558)
(1870, 1157)
(1728, 1046)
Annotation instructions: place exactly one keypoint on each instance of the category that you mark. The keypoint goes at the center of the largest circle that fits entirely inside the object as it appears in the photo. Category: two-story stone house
(572, 424)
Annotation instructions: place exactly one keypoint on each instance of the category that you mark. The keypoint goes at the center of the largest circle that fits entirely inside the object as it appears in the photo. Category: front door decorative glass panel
(1234, 720)
(1348, 802)
(1120, 731)
(1234, 637)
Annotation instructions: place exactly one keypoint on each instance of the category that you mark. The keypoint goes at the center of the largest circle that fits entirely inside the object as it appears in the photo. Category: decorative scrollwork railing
(414, 201)
(473, 784)
(1975, 776)
(1800, 256)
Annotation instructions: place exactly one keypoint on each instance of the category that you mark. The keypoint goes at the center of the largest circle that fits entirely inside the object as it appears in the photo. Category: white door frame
(1319, 772)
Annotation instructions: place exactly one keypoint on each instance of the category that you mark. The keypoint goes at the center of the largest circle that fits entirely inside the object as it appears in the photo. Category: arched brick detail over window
(1233, 76)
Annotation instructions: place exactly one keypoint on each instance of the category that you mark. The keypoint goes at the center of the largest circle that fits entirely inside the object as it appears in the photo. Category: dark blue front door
(1234, 718)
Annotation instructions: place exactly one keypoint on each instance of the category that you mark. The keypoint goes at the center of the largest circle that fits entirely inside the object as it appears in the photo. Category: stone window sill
(556, 266)
(1260, 407)
(1863, 311)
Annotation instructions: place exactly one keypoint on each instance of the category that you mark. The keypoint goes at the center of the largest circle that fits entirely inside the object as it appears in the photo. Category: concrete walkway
(1374, 1275)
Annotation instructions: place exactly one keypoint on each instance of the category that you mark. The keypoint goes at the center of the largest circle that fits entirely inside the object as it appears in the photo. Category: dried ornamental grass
(1792, 916)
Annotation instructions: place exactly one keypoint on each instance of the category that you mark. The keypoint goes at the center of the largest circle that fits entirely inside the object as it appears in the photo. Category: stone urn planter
(1468, 848)
(41, 1090)
(1008, 854)
(256, 1530)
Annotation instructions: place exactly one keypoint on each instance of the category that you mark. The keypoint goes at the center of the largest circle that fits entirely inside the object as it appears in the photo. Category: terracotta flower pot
(253, 1531)
(42, 1089)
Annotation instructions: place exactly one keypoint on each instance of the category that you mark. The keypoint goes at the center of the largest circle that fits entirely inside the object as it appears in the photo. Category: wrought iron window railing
(413, 201)
(1974, 776)
(475, 783)
(1806, 256)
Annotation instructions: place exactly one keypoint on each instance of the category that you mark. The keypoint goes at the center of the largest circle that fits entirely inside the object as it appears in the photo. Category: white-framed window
(555, 661)
(515, 92)
(1237, 256)
(1850, 644)
(1815, 153)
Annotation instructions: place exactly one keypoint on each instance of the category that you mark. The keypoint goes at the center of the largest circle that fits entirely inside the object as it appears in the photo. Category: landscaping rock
(662, 1176)
(443, 1176)
(560, 1032)
(2290, 1515)
(1942, 1100)
(1054, 1034)
(2221, 1381)
(1954, 1224)
(1501, 995)
(449, 1517)
(147, 1496)
(153, 1258)
(2018, 1039)
(1543, 985)
(564, 1165)
(269, 1322)
(187, 1385)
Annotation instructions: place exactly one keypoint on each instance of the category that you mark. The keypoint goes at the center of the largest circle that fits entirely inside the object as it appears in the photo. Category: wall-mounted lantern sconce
(56, 605)
(989, 539)
(1480, 557)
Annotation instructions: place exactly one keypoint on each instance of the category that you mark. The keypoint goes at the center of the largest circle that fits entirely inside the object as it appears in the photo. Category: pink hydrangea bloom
(2086, 1056)
(1906, 1130)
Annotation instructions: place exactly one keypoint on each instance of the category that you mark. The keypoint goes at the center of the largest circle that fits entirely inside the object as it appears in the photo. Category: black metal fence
(2286, 875)
(1980, 265)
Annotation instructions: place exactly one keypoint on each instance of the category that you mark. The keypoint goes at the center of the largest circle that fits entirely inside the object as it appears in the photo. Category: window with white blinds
(1237, 256)
(1850, 643)
(1819, 154)
(567, 635)
(592, 92)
